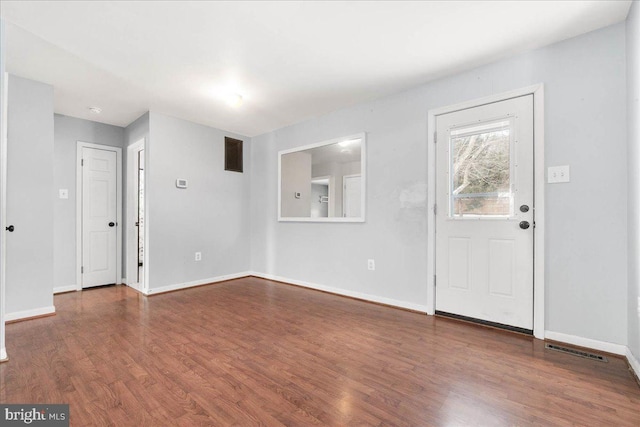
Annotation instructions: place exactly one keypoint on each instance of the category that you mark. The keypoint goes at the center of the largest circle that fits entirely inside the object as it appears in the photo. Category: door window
(481, 167)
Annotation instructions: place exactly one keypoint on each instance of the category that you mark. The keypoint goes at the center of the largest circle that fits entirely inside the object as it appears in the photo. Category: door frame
(118, 151)
(538, 167)
(330, 192)
(4, 104)
(344, 193)
(132, 190)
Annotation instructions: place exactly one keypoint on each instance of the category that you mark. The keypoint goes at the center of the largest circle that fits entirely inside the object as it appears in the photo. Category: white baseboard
(587, 342)
(3, 354)
(62, 289)
(169, 288)
(17, 315)
(633, 362)
(136, 286)
(343, 292)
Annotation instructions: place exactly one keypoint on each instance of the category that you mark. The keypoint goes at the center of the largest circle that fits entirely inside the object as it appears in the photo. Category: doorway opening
(136, 216)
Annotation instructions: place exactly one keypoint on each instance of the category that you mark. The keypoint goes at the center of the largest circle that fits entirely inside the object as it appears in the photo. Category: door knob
(524, 208)
(10, 228)
(524, 224)
(111, 224)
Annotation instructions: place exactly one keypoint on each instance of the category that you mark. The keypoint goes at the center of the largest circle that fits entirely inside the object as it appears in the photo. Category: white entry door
(485, 213)
(352, 199)
(99, 217)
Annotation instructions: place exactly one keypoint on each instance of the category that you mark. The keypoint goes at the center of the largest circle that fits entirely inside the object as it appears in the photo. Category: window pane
(481, 170)
(500, 206)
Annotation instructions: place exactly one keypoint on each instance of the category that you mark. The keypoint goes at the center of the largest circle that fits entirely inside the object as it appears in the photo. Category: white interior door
(99, 217)
(484, 218)
(351, 199)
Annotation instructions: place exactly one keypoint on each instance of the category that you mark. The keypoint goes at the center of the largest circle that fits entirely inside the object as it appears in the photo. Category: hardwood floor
(252, 352)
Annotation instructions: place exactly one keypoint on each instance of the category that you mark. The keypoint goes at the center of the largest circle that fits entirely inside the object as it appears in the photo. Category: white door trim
(330, 192)
(344, 193)
(4, 85)
(538, 161)
(132, 215)
(118, 151)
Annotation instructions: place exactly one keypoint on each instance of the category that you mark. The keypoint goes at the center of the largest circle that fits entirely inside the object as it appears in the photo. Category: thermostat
(181, 183)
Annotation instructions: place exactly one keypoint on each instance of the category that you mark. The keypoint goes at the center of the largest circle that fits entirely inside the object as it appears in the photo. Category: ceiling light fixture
(234, 100)
(95, 110)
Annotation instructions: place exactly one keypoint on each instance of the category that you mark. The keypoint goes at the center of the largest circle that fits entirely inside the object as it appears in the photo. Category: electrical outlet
(198, 256)
(371, 264)
(63, 193)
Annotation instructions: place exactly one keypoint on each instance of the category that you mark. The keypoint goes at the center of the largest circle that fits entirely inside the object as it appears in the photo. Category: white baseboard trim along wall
(338, 291)
(587, 343)
(18, 315)
(169, 288)
(634, 363)
(63, 289)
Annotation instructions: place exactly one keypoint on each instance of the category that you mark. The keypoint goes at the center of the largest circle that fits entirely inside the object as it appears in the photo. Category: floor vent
(575, 352)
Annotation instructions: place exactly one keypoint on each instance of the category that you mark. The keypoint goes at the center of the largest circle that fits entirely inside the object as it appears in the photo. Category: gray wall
(585, 127)
(29, 274)
(296, 178)
(67, 132)
(137, 129)
(210, 216)
(633, 129)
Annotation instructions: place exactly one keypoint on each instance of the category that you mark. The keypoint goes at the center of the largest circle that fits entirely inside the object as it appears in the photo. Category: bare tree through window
(481, 171)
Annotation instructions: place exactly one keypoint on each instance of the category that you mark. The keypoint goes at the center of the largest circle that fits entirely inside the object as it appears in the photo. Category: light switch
(556, 174)
(63, 193)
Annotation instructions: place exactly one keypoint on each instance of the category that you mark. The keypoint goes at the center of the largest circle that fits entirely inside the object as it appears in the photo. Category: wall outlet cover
(557, 174)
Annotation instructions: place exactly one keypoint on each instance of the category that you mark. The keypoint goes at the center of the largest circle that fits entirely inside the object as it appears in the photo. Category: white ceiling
(289, 60)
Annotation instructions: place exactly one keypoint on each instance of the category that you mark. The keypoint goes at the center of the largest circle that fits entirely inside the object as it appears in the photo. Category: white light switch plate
(557, 174)
(63, 193)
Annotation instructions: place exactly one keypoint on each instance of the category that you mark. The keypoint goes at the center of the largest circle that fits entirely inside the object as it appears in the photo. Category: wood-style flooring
(251, 352)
